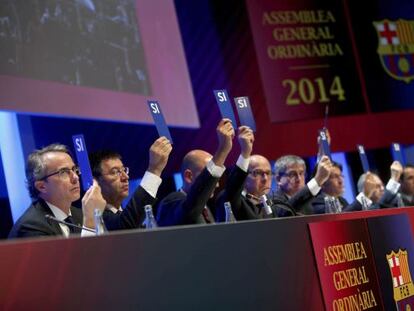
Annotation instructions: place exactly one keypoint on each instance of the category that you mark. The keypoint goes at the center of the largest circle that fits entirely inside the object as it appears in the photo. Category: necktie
(206, 216)
(69, 220)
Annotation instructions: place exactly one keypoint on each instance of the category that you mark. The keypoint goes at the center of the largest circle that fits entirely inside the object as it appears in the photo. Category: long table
(252, 265)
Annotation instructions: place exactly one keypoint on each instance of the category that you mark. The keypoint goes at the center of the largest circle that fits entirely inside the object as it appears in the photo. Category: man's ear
(40, 185)
(188, 176)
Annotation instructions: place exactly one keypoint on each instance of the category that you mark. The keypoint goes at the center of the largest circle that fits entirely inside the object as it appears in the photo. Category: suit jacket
(387, 200)
(133, 214)
(406, 200)
(179, 208)
(242, 208)
(33, 222)
(318, 203)
(300, 203)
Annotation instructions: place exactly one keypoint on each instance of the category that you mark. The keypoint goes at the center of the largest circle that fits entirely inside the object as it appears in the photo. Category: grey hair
(361, 182)
(36, 168)
(282, 163)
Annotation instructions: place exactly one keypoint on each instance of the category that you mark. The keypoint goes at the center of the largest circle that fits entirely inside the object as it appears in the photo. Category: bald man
(246, 205)
(201, 172)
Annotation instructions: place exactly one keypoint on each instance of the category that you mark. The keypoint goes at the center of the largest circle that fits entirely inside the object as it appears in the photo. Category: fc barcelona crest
(396, 48)
(402, 282)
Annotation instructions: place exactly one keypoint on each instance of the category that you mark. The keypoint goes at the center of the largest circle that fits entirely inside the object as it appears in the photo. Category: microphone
(50, 217)
(283, 205)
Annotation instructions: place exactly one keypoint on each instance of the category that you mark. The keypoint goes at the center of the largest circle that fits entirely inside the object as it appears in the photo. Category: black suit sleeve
(318, 204)
(34, 224)
(232, 193)
(388, 199)
(353, 207)
(31, 229)
(133, 215)
(179, 209)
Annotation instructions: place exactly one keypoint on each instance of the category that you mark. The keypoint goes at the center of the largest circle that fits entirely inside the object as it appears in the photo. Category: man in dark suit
(373, 195)
(407, 185)
(332, 191)
(293, 195)
(112, 176)
(53, 183)
(201, 172)
(234, 186)
(246, 204)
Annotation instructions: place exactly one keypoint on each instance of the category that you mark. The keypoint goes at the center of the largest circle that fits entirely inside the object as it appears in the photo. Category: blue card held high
(83, 161)
(159, 120)
(224, 104)
(363, 157)
(245, 112)
(397, 153)
(323, 141)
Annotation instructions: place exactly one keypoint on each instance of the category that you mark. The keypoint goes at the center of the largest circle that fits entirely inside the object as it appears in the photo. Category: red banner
(305, 57)
(346, 265)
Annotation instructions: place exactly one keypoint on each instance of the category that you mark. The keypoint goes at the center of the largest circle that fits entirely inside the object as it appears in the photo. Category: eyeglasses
(64, 173)
(294, 174)
(117, 172)
(257, 173)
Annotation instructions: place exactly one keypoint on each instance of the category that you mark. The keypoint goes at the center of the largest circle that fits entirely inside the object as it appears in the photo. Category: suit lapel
(44, 208)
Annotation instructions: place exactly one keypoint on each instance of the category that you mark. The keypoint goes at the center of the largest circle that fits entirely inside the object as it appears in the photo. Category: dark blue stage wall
(223, 47)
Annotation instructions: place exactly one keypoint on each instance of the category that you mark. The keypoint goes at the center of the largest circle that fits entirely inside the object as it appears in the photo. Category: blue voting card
(397, 153)
(245, 112)
(224, 104)
(159, 120)
(363, 157)
(83, 161)
(323, 141)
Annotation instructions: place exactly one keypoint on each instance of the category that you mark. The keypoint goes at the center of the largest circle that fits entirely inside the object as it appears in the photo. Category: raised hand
(158, 155)
(92, 200)
(246, 139)
(396, 170)
(225, 135)
(323, 171)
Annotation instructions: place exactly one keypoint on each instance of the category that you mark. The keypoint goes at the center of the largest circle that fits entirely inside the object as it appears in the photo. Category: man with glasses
(292, 193)
(247, 204)
(53, 184)
(113, 178)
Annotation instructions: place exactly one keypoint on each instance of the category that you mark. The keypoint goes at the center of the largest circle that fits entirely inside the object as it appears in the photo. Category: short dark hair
(334, 164)
(406, 166)
(96, 158)
(36, 168)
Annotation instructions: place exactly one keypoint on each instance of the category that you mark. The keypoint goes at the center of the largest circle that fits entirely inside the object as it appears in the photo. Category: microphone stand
(50, 217)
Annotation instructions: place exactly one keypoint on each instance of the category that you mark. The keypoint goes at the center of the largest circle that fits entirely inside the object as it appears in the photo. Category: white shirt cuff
(243, 163)
(313, 186)
(85, 233)
(151, 182)
(393, 186)
(215, 170)
(361, 198)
